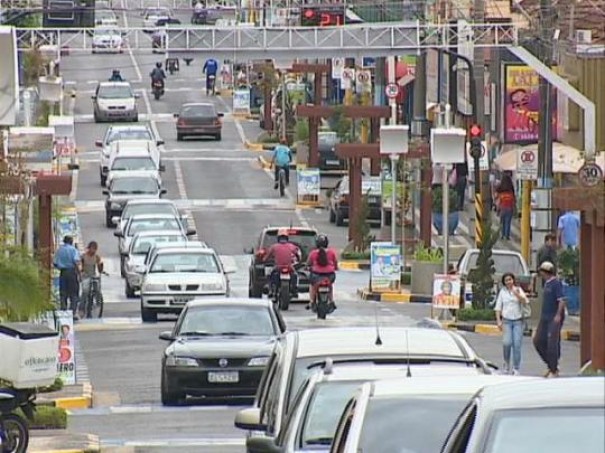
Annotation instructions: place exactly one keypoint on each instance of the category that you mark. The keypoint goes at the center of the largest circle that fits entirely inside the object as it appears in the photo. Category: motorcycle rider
(210, 69)
(157, 74)
(323, 263)
(282, 156)
(116, 76)
(283, 253)
(199, 7)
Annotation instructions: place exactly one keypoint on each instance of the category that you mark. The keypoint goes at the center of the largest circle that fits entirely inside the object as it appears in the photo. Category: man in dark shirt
(67, 260)
(548, 252)
(547, 339)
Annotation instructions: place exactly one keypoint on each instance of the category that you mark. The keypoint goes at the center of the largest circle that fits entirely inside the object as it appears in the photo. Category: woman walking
(509, 316)
(505, 199)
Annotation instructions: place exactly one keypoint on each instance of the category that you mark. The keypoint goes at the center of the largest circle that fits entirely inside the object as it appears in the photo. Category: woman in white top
(509, 316)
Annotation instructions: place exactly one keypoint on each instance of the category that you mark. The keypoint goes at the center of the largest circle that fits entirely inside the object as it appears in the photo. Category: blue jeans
(506, 218)
(512, 338)
(547, 341)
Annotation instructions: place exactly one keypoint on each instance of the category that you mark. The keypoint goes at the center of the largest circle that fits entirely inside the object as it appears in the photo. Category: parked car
(557, 415)
(115, 101)
(107, 39)
(260, 269)
(125, 186)
(167, 21)
(147, 206)
(105, 18)
(179, 274)
(134, 260)
(407, 415)
(218, 347)
(197, 120)
(326, 145)
(152, 15)
(339, 200)
(127, 148)
(297, 353)
(208, 16)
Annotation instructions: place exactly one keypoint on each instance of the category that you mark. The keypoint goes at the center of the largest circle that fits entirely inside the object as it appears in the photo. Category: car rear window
(130, 135)
(198, 111)
(502, 263)
(151, 208)
(305, 239)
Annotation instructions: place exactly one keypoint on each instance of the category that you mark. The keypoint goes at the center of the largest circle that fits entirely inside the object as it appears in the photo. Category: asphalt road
(229, 198)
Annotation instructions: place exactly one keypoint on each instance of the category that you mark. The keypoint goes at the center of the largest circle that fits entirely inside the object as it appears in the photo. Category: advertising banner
(385, 260)
(63, 322)
(446, 292)
(522, 105)
(308, 185)
(241, 101)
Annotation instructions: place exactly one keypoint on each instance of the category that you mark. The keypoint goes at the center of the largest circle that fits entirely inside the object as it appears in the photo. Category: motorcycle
(14, 431)
(158, 89)
(172, 64)
(211, 85)
(324, 305)
(281, 294)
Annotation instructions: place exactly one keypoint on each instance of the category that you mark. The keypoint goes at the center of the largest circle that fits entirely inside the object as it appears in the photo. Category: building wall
(587, 74)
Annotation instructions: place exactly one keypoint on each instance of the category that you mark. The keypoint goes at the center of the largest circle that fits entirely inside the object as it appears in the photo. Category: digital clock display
(322, 16)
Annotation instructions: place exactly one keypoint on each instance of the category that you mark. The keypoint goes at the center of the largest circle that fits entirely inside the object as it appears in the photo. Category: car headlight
(116, 206)
(212, 286)
(180, 361)
(151, 287)
(258, 361)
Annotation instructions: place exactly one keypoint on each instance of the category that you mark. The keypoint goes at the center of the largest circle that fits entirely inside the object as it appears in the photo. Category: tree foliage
(362, 225)
(482, 276)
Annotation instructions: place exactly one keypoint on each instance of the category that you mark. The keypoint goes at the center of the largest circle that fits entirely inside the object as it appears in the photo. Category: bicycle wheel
(282, 182)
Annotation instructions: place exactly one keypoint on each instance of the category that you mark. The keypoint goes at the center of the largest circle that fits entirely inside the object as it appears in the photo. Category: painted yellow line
(348, 265)
(396, 297)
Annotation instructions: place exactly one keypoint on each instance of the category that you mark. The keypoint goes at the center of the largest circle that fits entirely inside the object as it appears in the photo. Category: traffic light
(476, 135)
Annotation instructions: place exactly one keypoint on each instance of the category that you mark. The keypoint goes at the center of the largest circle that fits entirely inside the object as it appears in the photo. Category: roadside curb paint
(400, 298)
(254, 146)
(354, 265)
(76, 402)
(492, 330)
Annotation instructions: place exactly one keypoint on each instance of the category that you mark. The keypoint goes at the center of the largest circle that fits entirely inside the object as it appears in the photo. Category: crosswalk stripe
(244, 204)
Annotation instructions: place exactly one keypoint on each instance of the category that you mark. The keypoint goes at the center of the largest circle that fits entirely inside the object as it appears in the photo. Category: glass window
(185, 262)
(143, 244)
(303, 239)
(324, 410)
(133, 164)
(151, 208)
(327, 139)
(240, 320)
(136, 226)
(114, 92)
(198, 111)
(556, 430)
(136, 186)
(129, 134)
(413, 424)
(502, 263)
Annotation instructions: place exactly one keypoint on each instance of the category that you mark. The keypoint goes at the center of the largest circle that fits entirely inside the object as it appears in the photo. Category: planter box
(29, 354)
(572, 297)
(453, 221)
(422, 277)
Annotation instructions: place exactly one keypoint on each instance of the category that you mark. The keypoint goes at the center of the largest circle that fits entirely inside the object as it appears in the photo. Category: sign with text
(241, 101)
(63, 322)
(385, 263)
(527, 164)
(308, 185)
(446, 292)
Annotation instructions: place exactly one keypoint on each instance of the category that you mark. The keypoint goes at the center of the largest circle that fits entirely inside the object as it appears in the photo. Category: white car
(152, 15)
(177, 275)
(127, 147)
(147, 207)
(115, 101)
(107, 39)
(105, 18)
(139, 162)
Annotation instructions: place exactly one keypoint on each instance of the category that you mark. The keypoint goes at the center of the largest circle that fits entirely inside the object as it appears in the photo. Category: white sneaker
(505, 369)
(516, 373)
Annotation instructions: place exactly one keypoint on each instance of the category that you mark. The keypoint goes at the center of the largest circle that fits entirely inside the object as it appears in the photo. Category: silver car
(115, 101)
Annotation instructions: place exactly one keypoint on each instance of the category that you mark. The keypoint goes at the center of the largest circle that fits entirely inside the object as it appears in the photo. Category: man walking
(547, 339)
(569, 230)
(67, 260)
(548, 251)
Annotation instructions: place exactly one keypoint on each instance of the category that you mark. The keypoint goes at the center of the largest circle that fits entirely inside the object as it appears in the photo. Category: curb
(92, 445)
(263, 162)
(492, 330)
(402, 297)
(254, 146)
(354, 265)
(76, 402)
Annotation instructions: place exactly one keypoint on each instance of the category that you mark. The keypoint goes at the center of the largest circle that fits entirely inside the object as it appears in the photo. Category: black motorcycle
(158, 89)
(14, 431)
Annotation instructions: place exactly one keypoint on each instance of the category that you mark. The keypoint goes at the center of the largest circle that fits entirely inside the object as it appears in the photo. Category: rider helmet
(282, 235)
(321, 241)
(158, 65)
(116, 72)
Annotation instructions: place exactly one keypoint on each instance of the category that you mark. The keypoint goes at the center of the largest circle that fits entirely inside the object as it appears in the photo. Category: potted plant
(437, 208)
(426, 263)
(569, 271)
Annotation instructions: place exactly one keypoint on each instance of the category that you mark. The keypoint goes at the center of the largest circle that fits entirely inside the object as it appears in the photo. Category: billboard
(521, 101)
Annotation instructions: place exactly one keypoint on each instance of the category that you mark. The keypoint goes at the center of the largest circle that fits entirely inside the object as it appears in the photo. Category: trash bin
(28, 354)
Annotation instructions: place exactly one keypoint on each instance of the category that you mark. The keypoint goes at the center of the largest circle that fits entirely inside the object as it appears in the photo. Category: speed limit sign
(392, 90)
(590, 175)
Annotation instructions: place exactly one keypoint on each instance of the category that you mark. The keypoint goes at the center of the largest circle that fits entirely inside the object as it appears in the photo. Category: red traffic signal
(309, 13)
(476, 130)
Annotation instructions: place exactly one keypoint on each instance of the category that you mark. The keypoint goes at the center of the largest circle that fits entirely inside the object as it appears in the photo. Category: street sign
(348, 76)
(392, 90)
(590, 175)
(338, 65)
(527, 164)
(363, 77)
(368, 62)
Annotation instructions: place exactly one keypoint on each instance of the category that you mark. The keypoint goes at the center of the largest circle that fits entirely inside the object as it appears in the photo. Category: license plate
(324, 289)
(182, 300)
(284, 277)
(268, 270)
(333, 162)
(225, 377)
(373, 200)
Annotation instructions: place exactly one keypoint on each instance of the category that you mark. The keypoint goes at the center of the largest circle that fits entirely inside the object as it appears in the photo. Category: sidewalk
(60, 441)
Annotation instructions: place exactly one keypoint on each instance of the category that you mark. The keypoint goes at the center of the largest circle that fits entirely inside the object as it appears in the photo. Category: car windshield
(148, 208)
(138, 225)
(304, 239)
(327, 139)
(106, 31)
(556, 430)
(133, 163)
(115, 92)
(158, 13)
(185, 262)
(136, 186)
(142, 134)
(502, 262)
(225, 319)
(143, 244)
(415, 424)
(198, 111)
(325, 407)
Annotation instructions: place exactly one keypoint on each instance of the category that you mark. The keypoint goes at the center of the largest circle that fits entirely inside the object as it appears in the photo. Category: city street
(228, 197)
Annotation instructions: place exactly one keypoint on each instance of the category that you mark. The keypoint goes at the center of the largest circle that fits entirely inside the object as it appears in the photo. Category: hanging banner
(308, 185)
(241, 101)
(338, 65)
(385, 264)
(446, 292)
(63, 322)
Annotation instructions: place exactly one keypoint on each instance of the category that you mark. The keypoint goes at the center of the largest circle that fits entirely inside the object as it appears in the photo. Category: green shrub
(406, 278)
(54, 387)
(428, 255)
(48, 417)
(354, 255)
(472, 314)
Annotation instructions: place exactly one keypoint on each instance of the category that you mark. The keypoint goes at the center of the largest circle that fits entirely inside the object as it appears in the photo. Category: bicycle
(281, 181)
(94, 301)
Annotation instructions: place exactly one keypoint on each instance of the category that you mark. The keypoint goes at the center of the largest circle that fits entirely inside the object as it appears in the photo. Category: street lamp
(394, 141)
(447, 148)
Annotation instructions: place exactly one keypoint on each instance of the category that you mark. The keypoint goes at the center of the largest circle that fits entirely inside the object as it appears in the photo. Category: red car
(199, 119)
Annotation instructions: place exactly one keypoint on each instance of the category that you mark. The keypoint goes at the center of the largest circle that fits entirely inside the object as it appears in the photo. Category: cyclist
(282, 156)
(210, 69)
(323, 263)
(157, 74)
(283, 253)
(116, 76)
(91, 263)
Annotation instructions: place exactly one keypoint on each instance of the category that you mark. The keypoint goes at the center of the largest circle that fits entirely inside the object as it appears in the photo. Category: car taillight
(181, 122)
(217, 122)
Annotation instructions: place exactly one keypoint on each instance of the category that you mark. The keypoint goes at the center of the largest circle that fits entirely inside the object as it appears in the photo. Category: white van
(131, 148)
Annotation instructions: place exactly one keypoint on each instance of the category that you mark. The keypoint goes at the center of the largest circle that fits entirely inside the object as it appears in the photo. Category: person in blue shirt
(67, 260)
(569, 230)
(210, 69)
(281, 158)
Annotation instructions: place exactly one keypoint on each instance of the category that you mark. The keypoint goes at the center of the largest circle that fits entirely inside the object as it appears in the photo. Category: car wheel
(179, 137)
(135, 118)
(332, 216)
(108, 222)
(254, 291)
(96, 117)
(338, 219)
(169, 396)
(148, 315)
(129, 291)
(218, 137)
(122, 271)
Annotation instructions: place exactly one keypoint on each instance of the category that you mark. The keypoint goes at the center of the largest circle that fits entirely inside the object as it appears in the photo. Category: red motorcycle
(323, 304)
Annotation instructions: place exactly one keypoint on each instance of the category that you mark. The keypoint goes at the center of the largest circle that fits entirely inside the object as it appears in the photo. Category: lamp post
(394, 141)
(447, 148)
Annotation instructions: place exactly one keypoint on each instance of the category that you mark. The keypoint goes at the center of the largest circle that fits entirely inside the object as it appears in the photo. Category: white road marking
(180, 179)
(75, 174)
(135, 64)
(148, 409)
(178, 151)
(234, 204)
(196, 159)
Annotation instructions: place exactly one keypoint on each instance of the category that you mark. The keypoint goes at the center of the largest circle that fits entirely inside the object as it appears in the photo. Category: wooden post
(585, 285)
(597, 327)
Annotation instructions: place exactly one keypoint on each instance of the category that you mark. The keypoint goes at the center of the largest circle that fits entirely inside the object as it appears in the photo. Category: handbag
(525, 310)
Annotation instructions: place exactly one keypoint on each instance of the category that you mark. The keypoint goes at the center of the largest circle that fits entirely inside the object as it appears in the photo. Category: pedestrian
(67, 260)
(547, 339)
(505, 199)
(568, 230)
(548, 251)
(461, 181)
(509, 317)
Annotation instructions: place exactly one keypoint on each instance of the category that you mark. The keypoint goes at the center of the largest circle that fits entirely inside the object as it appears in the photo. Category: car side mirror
(99, 143)
(229, 269)
(118, 234)
(166, 336)
(248, 251)
(137, 96)
(162, 167)
(105, 192)
(115, 220)
(249, 419)
(94, 96)
(221, 114)
(176, 115)
(264, 444)
(191, 232)
(159, 142)
(125, 253)
(163, 191)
